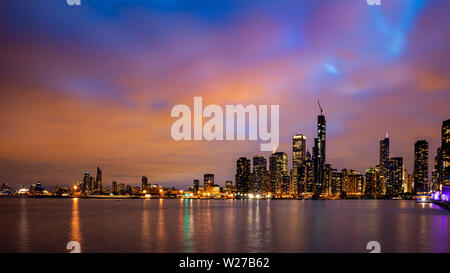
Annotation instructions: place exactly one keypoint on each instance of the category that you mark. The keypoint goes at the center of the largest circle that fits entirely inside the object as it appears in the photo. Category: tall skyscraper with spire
(319, 153)
(384, 155)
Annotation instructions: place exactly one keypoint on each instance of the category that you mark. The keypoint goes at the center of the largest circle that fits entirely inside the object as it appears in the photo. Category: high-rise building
(319, 154)
(336, 182)
(114, 188)
(86, 181)
(278, 169)
(196, 184)
(243, 176)
(92, 185)
(384, 156)
(394, 179)
(355, 183)
(228, 185)
(445, 151)
(327, 185)
(298, 158)
(421, 166)
(98, 181)
(436, 174)
(259, 172)
(208, 179)
(144, 183)
(306, 175)
(372, 183)
(122, 190)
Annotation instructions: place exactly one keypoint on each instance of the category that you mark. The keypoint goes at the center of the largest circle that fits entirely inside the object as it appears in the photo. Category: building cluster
(311, 176)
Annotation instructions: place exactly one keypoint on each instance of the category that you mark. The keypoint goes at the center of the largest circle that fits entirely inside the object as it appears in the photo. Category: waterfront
(133, 225)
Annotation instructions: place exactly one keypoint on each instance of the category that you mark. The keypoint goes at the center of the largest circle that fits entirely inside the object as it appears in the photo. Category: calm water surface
(134, 225)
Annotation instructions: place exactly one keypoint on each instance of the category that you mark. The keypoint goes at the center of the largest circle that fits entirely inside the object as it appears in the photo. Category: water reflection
(24, 227)
(75, 234)
(161, 233)
(145, 226)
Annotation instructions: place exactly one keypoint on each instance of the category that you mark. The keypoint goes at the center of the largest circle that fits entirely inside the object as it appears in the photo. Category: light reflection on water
(186, 225)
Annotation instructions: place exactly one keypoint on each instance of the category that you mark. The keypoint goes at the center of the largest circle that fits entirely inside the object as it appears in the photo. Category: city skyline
(111, 77)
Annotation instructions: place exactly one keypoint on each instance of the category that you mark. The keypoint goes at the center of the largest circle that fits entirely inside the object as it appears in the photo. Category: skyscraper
(98, 181)
(208, 179)
(445, 150)
(394, 180)
(372, 183)
(298, 158)
(243, 184)
(196, 184)
(259, 171)
(278, 170)
(114, 188)
(319, 154)
(420, 166)
(144, 183)
(86, 182)
(384, 155)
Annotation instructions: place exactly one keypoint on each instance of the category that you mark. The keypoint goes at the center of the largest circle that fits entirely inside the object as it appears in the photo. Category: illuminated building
(86, 181)
(394, 179)
(144, 183)
(306, 175)
(298, 157)
(372, 183)
(445, 150)
(121, 189)
(384, 155)
(278, 169)
(208, 179)
(327, 179)
(345, 185)
(285, 185)
(92, 185)
(420, 166)
(98, 181)
(259, 172)
(319, 155)
(228, 185)
(114, 188)
(355, 183)
(196, 184)
(243, 178)
(336, 182)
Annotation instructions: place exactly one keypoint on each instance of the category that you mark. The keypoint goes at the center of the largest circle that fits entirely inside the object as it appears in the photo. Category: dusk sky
(94, 85)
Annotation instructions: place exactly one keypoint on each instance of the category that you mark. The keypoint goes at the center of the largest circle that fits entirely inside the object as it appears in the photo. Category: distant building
(259, 172)
(144, 183)
(196, 184)
(243, 176)
(421, 166)
(319, 155)
(384, 156)
(98, 181)
(445, 148)
(86, 182)
(394, 178)
(114, 188)
(208, 179)
(372, 183)
(278, 170)
(298, 158)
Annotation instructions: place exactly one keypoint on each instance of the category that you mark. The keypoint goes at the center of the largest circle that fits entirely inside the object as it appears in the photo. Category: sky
(94, 85)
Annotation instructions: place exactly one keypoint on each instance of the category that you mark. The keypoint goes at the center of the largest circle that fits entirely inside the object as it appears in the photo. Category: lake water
(224, 226)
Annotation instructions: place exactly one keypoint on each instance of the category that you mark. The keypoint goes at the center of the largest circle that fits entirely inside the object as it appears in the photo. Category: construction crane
(320, 107)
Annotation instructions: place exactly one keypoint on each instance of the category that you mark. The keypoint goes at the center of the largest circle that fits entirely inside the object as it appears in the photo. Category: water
(135, 225)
